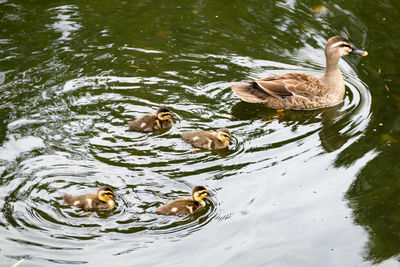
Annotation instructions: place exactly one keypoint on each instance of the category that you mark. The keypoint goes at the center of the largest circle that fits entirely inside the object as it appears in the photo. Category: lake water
(300, 188)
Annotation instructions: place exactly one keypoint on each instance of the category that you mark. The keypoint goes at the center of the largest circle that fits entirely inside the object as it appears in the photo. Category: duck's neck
(332, 65)
(162, 122)
(111, 204)
(223, 141)
(333, 79)
(200, 201)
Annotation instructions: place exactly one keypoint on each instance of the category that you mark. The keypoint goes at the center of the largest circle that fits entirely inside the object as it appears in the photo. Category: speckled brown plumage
(152, 122)
(208, 140)
(302, 91)
(92, 201)
(185, 206)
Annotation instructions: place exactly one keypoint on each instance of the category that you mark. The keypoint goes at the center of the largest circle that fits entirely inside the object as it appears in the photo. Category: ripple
(149, 169)
(67, 132)
(15, 147)
(65, 21)
(34, 203)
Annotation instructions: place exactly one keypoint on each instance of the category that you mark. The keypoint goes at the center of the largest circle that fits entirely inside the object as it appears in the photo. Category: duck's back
(180, 207)
(201, 139)
(145, 123)
(291, 90)
(85, 202)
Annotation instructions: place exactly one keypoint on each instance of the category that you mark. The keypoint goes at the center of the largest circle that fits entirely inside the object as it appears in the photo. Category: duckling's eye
(166, 114)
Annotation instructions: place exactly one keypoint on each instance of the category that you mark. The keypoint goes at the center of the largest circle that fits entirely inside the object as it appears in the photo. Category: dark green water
(317, 188)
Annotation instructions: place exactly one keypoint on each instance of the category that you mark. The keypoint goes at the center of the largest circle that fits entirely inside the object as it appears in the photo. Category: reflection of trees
(374, 198)
(374, 195)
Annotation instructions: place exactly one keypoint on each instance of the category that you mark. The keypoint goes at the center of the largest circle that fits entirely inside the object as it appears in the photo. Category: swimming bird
(300, 90)
(103, 199)
(185, 206)
(209, 140)
(152, 122)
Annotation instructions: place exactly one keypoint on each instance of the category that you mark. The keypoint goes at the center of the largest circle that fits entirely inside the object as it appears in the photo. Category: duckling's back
(201, 139)
(85, 202)
(148, 123)
(179, 207)
(69, 199)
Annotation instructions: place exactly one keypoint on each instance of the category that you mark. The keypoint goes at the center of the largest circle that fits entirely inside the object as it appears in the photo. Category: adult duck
(300, 90)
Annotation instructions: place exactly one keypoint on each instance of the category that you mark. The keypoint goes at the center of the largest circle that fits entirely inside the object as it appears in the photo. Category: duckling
(104, 199)
(152, 122)
(300, 90)
(185, 206)
(209, 140)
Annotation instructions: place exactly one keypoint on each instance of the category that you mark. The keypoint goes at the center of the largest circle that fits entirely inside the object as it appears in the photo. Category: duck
(186, 206)
(103, 199)
(299, 90)
(152, 122)
(209, 140)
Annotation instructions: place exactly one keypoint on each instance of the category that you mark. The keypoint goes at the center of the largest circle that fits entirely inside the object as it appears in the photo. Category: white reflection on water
(65, 21)
(14, 147)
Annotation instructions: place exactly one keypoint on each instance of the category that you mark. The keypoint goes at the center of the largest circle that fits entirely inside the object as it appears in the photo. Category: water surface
(302, 188)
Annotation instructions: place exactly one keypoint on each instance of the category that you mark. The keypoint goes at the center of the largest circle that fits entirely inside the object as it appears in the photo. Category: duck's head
(106, 194)
(224, 135)
(339, 46)
(199, 192)
(164, 114)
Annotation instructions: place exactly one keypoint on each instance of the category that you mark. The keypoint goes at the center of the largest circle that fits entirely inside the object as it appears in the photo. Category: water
(306, 188)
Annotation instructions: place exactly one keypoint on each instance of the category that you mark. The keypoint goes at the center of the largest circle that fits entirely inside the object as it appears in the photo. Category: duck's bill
(232, 140)
(357, 52)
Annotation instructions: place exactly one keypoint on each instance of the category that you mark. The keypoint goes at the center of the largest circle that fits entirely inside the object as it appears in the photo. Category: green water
(309, 188)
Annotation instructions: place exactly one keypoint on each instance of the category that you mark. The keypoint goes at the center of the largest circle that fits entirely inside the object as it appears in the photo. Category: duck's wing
(145, 123)
(250, 92)
(69, 199)
(202, 139)
(299, 84)
(85, 202)
(179, 207)
(279, 86)
(97, 204)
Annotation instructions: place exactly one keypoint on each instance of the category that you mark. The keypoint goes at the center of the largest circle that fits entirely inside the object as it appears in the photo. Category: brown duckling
(152, 122)
(209, 140)
(104, 199)
(300, 90)
(185, 206)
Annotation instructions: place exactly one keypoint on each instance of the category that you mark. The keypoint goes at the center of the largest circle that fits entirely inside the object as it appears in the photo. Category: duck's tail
(68, 199)
(250, 92)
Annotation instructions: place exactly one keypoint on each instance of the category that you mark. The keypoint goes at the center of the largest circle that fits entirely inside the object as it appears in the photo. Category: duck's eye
(345, 45)
(203, 193)
(165, 115)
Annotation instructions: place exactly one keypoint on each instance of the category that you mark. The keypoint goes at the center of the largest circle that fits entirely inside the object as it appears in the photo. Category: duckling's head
(199, 192)
(164, 114)
(106, 194)
(225, 136)
(339, 46)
